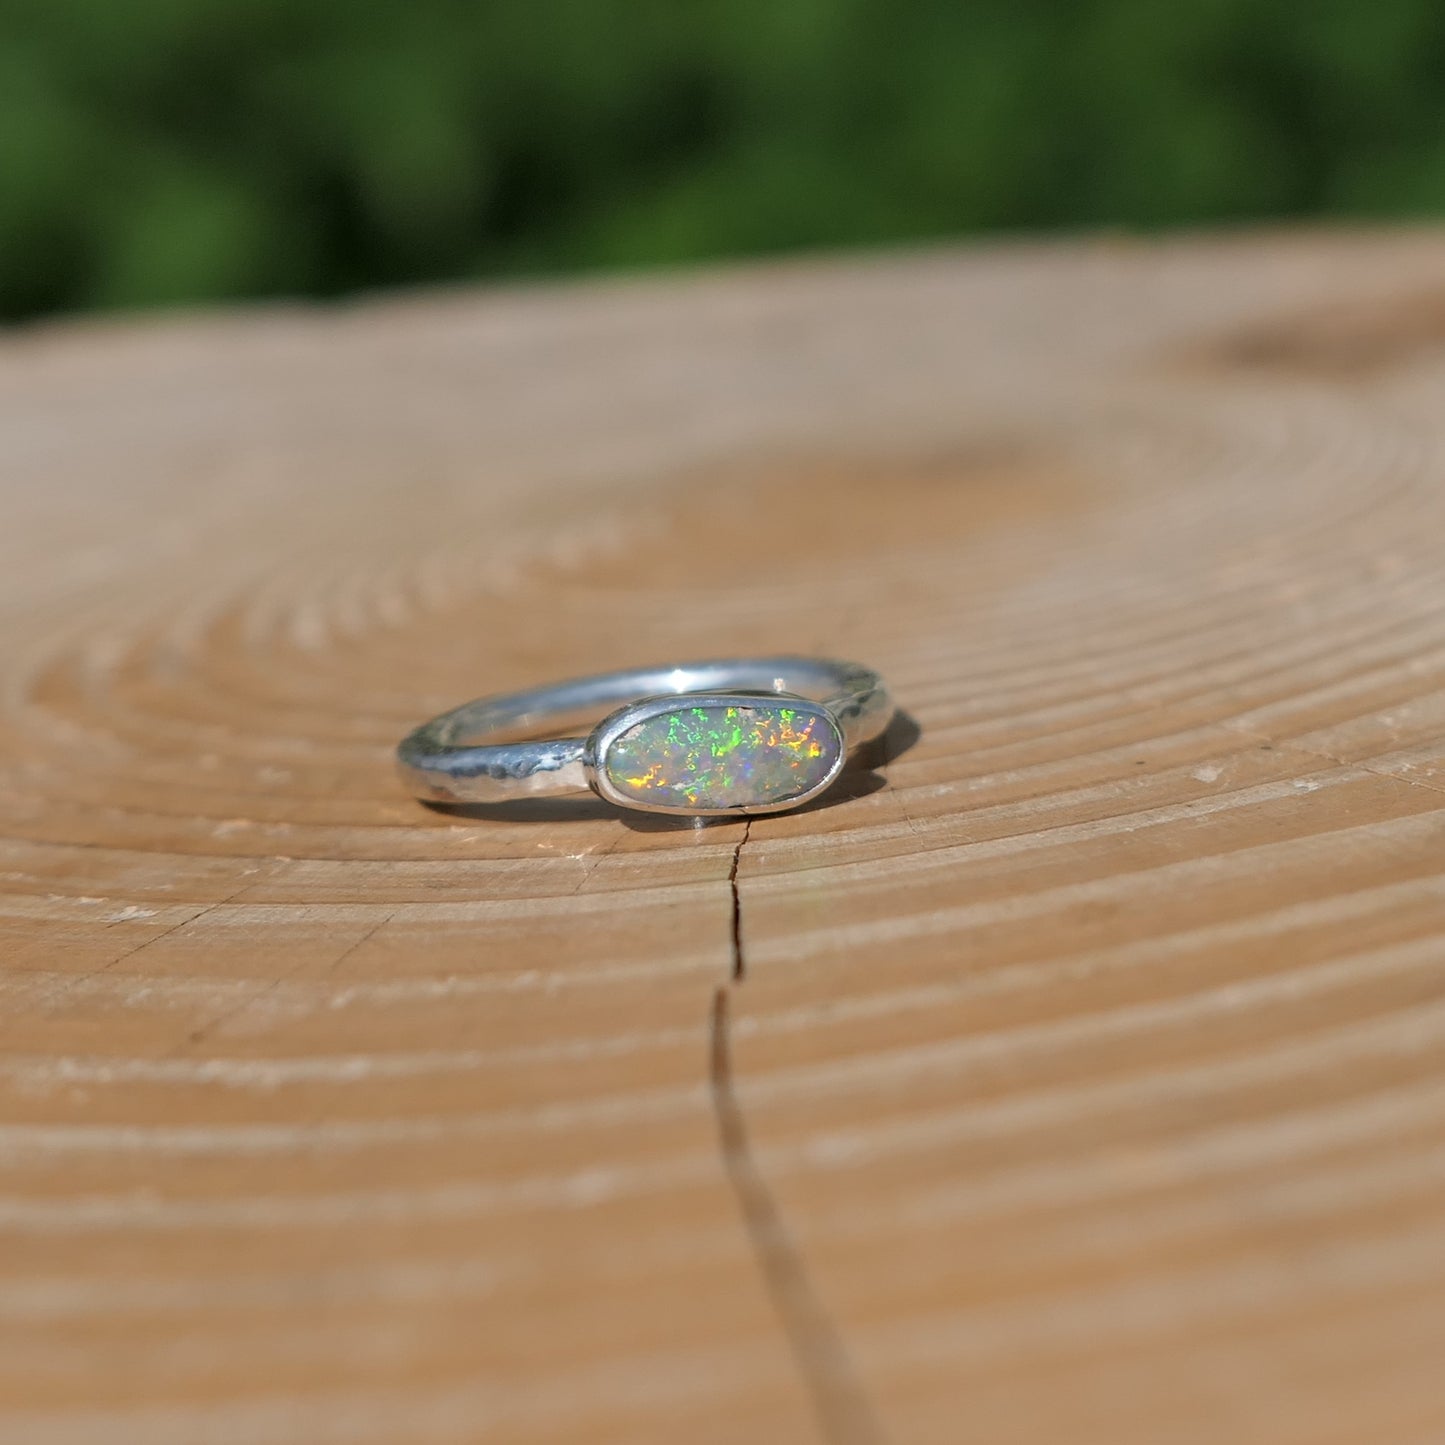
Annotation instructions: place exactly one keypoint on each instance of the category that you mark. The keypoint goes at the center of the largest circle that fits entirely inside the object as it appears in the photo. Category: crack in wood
(840, 1404)
(739, 967)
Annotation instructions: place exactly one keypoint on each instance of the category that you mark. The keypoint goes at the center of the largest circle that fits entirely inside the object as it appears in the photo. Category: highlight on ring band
(740, 736)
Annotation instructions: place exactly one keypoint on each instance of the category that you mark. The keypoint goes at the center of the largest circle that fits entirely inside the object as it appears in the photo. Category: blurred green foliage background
(165, 151)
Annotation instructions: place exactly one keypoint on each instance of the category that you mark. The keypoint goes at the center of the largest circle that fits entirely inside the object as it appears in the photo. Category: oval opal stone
(716, 757)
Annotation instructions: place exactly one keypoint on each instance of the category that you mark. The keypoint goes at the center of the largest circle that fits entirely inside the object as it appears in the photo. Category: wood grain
(1084, 1082)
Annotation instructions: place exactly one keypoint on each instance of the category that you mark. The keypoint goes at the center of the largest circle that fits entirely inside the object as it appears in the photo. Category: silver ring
(741, 736)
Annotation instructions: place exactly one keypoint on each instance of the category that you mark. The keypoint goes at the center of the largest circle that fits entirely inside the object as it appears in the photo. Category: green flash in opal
(713, 757)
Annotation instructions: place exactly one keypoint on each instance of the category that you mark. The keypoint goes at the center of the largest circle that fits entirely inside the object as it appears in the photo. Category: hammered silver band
(464, 756)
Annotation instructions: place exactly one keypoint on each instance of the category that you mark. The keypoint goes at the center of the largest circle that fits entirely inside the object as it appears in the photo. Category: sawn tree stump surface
(1084, 1080)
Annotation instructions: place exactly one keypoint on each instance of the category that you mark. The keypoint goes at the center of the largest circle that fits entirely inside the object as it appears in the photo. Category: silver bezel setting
(629, 716)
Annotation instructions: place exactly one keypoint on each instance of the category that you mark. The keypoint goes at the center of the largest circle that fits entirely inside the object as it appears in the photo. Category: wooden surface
(1086, 1077)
